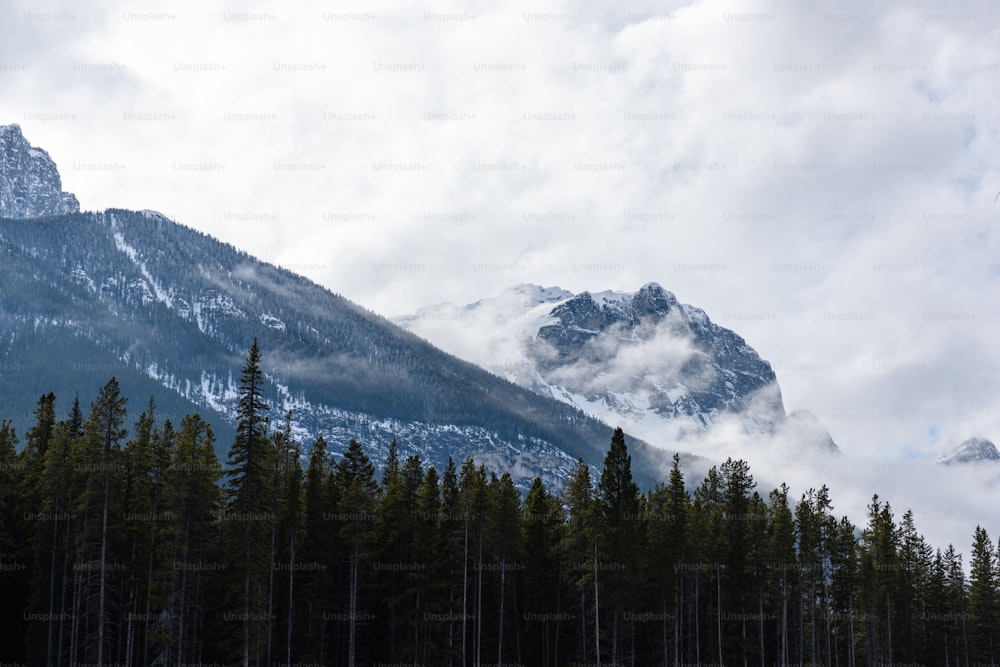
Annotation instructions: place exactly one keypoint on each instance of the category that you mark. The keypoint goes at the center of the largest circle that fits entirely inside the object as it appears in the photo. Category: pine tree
(357, 492)
(392, 525)
(473, 500)
(676, 508)
(957, 609)
(31, 478)
(581, 560)
(453, 535)
(249, 512)
(103, 433)
(982, 597)
(620, 516)
(784, 568)
(12, 570)
(915, 561)
(736, 601)
(189, 562)
(286, 535)
(881, 572)
(317, 549)
(428, 587)
(140, 528)
(934, 616)
(505, 529)
(843, 588)
(544, 607)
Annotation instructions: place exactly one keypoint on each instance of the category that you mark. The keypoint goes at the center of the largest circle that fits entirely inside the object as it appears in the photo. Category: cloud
(832, 167)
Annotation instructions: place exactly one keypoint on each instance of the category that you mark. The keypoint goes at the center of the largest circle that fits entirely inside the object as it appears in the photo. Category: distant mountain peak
(971, 451)
(660, 368)
(30, 186)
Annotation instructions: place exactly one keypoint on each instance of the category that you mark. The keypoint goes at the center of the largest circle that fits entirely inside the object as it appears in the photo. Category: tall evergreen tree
(427, 581)
(31, 476)
(619, 500)
(582, 561)
(546, 617)
(103, 433)
(505, 530)
(317, 549)
(190, 560)
(12, 569)
(983, 597)
(357, 492)
(249, 513)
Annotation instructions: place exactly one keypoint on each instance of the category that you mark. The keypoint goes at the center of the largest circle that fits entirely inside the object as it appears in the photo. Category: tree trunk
(104, 555)
(62, 597)
(503, 581)
(850, 623)
(479, 600)
(291, 593)
(597, 612)
(663, 631)
(465, 591)
(52, 588)
(353, 605)
(697, 619)
(182, 615)
(888, 625)
(718, 611)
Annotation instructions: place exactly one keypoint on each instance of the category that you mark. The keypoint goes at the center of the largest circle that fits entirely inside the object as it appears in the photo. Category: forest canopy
(138, 546)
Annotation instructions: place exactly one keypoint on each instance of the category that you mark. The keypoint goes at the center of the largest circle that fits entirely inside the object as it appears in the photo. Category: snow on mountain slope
(660, 368)
(974, 451)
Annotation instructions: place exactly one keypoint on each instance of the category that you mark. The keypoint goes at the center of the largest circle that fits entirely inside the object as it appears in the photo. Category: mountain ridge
(172, 311)
(661, 367)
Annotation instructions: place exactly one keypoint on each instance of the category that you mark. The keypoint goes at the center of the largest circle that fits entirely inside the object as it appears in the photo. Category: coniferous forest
(123, 540)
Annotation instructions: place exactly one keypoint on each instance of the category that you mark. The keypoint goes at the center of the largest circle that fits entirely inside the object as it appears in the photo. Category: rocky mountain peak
(30, 186)
(974, 451)
(651, 299)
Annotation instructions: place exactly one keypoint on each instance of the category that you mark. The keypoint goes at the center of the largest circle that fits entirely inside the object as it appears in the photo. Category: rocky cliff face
(30, 186)
(660, 368)
(669, 356)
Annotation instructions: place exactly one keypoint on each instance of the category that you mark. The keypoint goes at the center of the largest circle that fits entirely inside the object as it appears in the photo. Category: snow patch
(161, 295)
(272, 322)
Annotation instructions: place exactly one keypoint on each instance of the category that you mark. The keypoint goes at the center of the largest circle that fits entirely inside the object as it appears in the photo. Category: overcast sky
(819, 177)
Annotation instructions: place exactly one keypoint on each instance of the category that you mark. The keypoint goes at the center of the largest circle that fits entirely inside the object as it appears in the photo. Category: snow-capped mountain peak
(976, 451)
(642, 359)
(30, 186)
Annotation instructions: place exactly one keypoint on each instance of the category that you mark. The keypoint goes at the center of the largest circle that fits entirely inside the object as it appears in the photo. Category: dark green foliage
(123, 546)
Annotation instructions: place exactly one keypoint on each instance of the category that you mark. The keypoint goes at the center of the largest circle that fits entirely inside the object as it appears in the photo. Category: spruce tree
(318, 550)
(582, 562)
(983, 597)
(190, 564)
(103, 432)
(546, 618)
(619, 501)
(249, 512)
(428, 580)
(12, 569)
(357, 491)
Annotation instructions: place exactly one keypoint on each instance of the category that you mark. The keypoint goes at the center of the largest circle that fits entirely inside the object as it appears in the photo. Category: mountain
(642, 359)
(171, 312)
(974, 451)
(29, 181)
